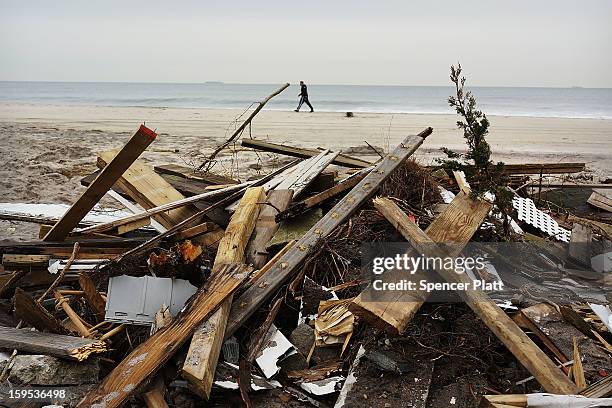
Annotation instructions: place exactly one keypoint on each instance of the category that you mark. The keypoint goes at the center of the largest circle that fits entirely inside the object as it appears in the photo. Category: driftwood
(243, 126)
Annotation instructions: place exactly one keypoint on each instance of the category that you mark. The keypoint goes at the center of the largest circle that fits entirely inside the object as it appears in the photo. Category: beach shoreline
(48, 148)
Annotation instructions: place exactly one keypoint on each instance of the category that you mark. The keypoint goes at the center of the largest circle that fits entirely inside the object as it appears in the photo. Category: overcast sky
(499, 43)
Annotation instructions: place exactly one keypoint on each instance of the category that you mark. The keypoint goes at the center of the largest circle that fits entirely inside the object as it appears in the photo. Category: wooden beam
(69, 347)
(149, 190)
(287, 265)
(191, 174)
(107, 226)
(518, 343)
(201, 361)
(266, 226)
(105, 180)
(455, 225)
(146, 359)
(538, 168)
(303, 153)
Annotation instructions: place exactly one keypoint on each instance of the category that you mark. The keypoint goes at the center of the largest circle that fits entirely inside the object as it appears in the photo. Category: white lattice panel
(529, 213)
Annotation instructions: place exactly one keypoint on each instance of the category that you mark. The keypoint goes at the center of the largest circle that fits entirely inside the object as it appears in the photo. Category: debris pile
(232, 292)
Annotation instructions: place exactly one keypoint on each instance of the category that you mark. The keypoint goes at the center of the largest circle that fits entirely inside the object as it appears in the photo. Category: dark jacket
(304, 91)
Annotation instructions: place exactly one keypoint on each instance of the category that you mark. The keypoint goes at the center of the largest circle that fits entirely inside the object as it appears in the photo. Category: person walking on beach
(304, 97)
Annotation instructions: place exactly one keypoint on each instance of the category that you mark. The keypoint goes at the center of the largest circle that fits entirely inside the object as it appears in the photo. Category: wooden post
(201, 361)
(105, 180)
(524, 349)
(144, 361)
(269, 282)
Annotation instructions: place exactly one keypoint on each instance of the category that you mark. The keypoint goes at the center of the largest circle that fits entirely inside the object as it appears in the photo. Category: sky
(556, 43)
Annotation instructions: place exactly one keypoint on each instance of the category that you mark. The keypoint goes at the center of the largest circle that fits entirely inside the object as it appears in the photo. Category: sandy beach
(47, 149)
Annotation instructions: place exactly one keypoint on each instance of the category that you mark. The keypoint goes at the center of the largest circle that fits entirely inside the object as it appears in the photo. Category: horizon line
(213, 82)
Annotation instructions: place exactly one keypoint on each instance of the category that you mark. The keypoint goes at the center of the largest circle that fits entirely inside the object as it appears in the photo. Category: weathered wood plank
(58, 345)
(31, 312)
(600, 200)
(288, 264)
(518, 343)
(144, 361)
(455, 225)
(191, 174)
(92, 296)
(203, 354)
(162, 208)
(105, 180)
(149, 190)
(341, 160)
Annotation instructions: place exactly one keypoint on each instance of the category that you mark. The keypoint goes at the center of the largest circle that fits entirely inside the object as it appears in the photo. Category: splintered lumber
(266, 226)
(196, 217)
(317, 199)
(201, 361)
(191, 174)
(303, 153)
(92, 296)
(105, 180)
(600, 200)
(31, 312)
(241, 128)
(162, 208)
(58, 345)
(146, 359)
(287, 265)
(149, 190)
(455, 226)
(520, 345)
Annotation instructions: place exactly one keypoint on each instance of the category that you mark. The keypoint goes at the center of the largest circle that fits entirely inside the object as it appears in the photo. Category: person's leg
(300, 104)
(309, 105)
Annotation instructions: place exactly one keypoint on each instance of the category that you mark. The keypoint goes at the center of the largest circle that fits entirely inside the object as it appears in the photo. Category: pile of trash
(211, 291)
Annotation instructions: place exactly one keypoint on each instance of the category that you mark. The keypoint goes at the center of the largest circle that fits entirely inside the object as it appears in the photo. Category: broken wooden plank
(266, 226)
(195, 231)
(455, 225)
(149, 190)
(518, 343)
(288, 264)
(105, 180)
(58, 345)
(539, 168)
(162, 208)
(32, 313)
(18, 261)
(600, 200)
(303, 153)
(144, 361)
(323, 196)
(92, 296)
(192, 174)
(201, 361)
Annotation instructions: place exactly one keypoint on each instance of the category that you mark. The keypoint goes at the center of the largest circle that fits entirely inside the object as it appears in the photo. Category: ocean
(508, 101)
